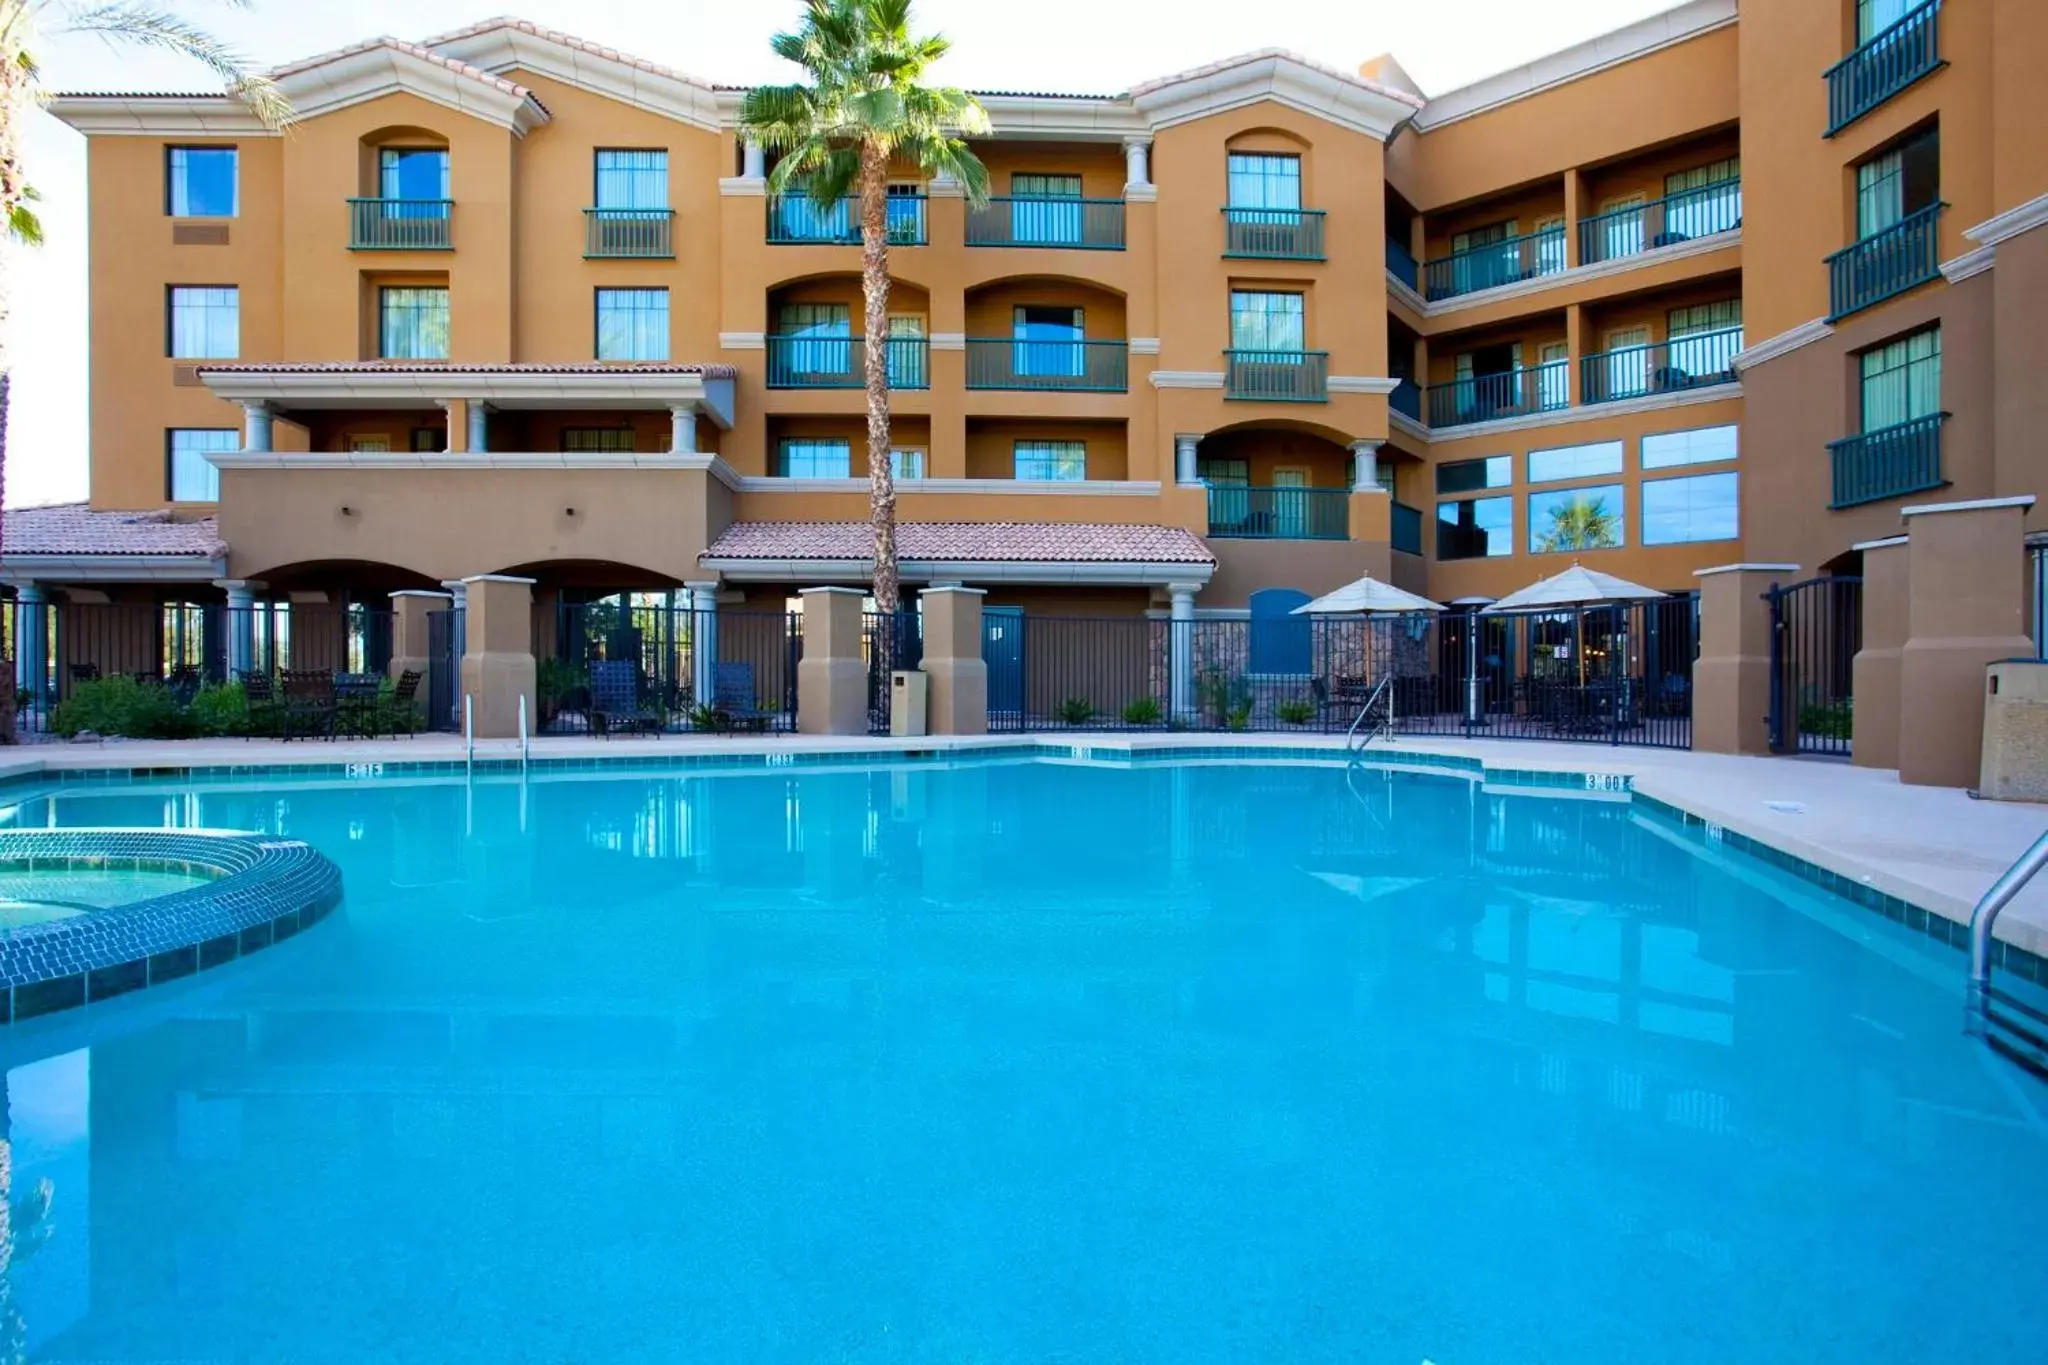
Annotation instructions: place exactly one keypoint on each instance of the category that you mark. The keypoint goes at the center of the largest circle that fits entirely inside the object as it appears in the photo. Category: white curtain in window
(1266, 322)
(1875, 16)
(192, 478)
(1056, 461)
(415, 324)
(816, 459)
(1902, 381)
(824, 332)
(1880, 193)
(632, 179)
(206, 323)
(1043, 208)
(1261, 180)
(632, 324)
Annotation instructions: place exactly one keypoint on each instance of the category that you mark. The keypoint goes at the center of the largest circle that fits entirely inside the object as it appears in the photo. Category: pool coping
(262, 890)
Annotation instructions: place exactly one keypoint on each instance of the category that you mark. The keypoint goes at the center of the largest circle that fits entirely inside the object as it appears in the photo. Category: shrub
(1295, 711)
(1142, 711)
(1220, 696)
(1077, 711)
(1828, 720)
(121, 706)
(1239, 717)
(219, 709)
(704, 716)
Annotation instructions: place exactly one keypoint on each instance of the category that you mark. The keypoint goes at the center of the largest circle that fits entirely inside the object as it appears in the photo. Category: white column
(1365, 467)
(447, 406)
(752, 162)
(256, 426)
(1137, 162)
(479, 426)
(703, 641)
(1180, 648)
(682, 427)
(31, 647)
(241, 625)
(1184, 459)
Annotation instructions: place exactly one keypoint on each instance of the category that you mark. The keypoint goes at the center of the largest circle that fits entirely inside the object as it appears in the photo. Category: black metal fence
(1816, 629)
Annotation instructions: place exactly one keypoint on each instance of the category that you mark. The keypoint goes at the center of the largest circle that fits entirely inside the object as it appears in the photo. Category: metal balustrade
(1077, 224)
(630, 234)
(1069, 366)
(814, 362)
(401, 224)
(1890, 462)
(1401, 264)
(798, 220)
(1273, 234)
(1887, 263)
(1511, 393)
(1277, 376)
(1508, 261)
(1238, 512)
(1688, 362)
(1406, 534)
(1700, 211)
(1879, 69)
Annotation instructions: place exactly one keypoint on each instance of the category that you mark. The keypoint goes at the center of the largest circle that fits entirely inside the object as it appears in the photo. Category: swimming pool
(1023, 1061)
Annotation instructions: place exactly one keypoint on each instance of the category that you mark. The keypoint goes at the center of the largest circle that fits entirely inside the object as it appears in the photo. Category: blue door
(1002, 649)
(1280, 642)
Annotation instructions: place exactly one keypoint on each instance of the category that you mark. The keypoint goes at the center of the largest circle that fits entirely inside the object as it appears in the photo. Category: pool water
(39, 895)
(1023, 1062)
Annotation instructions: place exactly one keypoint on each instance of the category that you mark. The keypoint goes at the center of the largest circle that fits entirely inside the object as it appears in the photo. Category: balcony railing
(798, 220)
(1697, 361)
(632, 234)
(1240, 513)
(1698, 212)
(1905, 255)
(1066, 366)
(400, 224)
(1406, 399)
(1077, 224)
(1511, 393)
(1892, 60)
(1508, 261)
(1407, 529)
(811, 362)
(1401, 263)
(1890, 462)
(1277, 376)
(1274, 234)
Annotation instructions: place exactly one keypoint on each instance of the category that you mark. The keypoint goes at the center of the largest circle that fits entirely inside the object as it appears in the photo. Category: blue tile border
(262, 890)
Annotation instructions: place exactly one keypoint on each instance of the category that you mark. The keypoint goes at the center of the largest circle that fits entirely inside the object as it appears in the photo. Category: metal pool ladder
(2012, 1026)
(1354, 740)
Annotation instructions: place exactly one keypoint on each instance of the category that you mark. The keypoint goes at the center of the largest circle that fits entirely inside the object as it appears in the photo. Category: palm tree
(863, 109)
(24, 1228)
(1581, 522)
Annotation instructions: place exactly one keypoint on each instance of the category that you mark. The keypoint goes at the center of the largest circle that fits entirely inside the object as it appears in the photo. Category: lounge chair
(615, 703)
(309, 703)
(405, 711)
(736, 701)
(259, 692)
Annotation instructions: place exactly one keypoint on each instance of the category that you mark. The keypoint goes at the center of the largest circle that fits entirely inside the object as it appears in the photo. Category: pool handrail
(1351, 739)
(1985, 917)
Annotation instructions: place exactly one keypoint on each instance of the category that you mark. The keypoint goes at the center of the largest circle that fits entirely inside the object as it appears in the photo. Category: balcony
(1055, 366)
(400, 224)
(1892, 60)
(797, 220)
(1698, 361)
(813, 362)
(1401, 263)
(1277, 376)
(1072, 224)
(1407, 529)
(1889, 262)
(1511, 393)
(1240, 513)
(1698, 212)
(1273, 234)
(629, 234)
(1508, 261)
(1406, 399)
(1890, 462)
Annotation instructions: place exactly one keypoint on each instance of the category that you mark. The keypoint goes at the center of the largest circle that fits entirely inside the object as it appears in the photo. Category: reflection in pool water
(1022, 1063)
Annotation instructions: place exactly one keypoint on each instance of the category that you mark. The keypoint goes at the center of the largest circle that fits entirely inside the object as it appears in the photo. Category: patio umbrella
(1576, 588)
(1366, 597)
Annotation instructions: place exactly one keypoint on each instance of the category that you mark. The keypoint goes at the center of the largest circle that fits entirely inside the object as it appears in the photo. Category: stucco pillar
(703, 640)
(1574, 209)
(1966, 606)
(1575, 351)
(1180, 649)
(1365, 466)
(497, 666)
(1184, 459)
(832, 676)
(258, 424)
(457, 424)
(31, 646)
(753, 164)
(479, 425)
(241, 625)
(1731, 680)
(1874, 673)
(956, 700)
(1137, 164)
(410, 648)
(682, 430)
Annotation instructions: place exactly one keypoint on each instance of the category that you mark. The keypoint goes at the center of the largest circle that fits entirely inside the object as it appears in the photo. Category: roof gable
(505, 44)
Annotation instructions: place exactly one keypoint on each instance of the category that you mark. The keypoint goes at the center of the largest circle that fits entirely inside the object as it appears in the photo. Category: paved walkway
(1932, 846)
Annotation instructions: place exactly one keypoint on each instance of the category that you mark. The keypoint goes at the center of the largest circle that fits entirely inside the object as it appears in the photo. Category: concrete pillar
(682, 429)
(832, 677)
(753, 164)
(410, 649)
(257, 426)
(1184, 465)
(956, 700)
(479, 426)
(1137, 163)
(703, 601)
(31, 646)
(1874, 677)
(1574, 210)
(1575, 351)
(1966, 606)
(241, 625)
(1365, 466)
(1731, 680)
(1180, 649)
(497, 664)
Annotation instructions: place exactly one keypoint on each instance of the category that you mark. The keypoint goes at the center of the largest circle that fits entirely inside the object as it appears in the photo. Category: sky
(1069, 45)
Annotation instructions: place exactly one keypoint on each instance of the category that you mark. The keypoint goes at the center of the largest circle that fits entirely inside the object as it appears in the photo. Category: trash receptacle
(906, 701)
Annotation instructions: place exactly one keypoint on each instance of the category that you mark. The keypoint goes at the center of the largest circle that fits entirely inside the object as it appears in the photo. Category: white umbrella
(1575, 587)
(1366, 597)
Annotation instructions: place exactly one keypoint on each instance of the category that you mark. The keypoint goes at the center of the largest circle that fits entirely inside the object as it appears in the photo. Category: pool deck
(1934, 847)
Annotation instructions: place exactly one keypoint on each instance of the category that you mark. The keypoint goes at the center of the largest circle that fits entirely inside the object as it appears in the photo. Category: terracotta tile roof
(964, 541)
(1280, 53)
(449, 367)
(551, 35)
(425, 54)
(73, 528)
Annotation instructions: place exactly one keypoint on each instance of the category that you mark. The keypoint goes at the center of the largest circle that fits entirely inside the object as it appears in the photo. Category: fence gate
(1816, 629)
(442, 664)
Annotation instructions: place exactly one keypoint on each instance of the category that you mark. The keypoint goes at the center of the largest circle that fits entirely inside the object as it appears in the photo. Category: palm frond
(146, 25)
(22, 223)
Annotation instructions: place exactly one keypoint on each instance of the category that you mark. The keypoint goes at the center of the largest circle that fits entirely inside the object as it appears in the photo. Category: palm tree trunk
(14, 106)
(874, 283)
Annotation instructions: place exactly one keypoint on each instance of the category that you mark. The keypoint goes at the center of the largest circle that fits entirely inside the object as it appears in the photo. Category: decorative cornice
(1402, 422)
(1400, 289)
(1187, 379)
(1141, 194)
(2023, 501)
(1865, 546)
(158, 116)
(743, 186)
(947, 341)
(1969, 264)
(1579, 274)
(1073, 488)
(19, 568)
(1349, 101)
(2025, 218)
(743, 341)
(1785, 342)
(1361, 383)
(1656, 402)
(625, 387)
(1101, 573)
(1745, 568)
(500, 45)
(372, 460)
(1144, 345)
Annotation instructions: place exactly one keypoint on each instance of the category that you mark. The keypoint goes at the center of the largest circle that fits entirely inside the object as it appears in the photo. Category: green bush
(1221, 696)
(1077, 711)
(121, 706)
(1295, 711)
(219, 709)
(1828, 720)
(1239, 717)
(1142, 711)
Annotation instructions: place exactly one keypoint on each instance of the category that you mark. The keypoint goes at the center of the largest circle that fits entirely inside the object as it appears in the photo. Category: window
(1682, 511)
(596, 440)
(205, 322)
(413, 323)
(1468, 476)
(1045, 209)
(823, 333)
(1485, 256)
(906, 352)
(816, 460)
(1713, 173)
(905, 213)
(1048, 341)
(1898, 183)
(632, 324)
(1704, 317)
(1264, 180)
(1902, 381)
(1475, 528)
(1701, 445)
(1875, 16)
(190, 477)
(1575, 462)
(1576, 519)
(1703, 200)
(200, 182)
(376, 445)
(906, 464)
(1266, 322)
(631, 179)
(1052, 461)
(412, 173)
(429, 440)
(1045, 186)
(1224, 473)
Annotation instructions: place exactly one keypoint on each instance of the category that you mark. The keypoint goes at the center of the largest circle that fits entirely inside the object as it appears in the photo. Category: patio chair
(84, 673)
(736, 701)
(355, 703)
(405, 715)
(309, 703)
(615, 703)
(259, 693)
